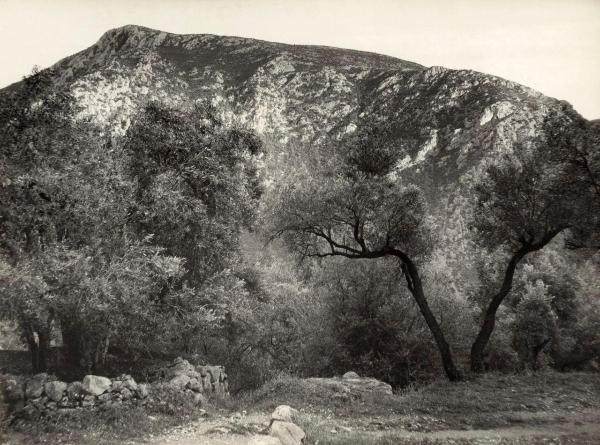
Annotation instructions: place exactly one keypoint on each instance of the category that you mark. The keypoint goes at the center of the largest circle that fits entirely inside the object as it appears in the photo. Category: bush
(169, 400)
(117, 420)
(371, 325)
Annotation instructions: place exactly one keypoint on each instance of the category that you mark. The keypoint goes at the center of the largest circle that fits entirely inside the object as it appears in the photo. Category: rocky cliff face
(447, 122)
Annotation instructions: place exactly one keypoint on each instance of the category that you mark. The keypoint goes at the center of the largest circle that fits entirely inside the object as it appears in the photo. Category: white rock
(287, 433)
(179, 381)
(487, 116)
(284, 413)
(95, 385)
(430, 145)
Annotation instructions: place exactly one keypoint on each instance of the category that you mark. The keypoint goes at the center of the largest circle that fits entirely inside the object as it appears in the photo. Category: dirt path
(576, 428)
(585, 426)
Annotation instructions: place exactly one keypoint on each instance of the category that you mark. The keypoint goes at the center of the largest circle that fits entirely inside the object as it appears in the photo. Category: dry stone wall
(200, 378)
(41, 393)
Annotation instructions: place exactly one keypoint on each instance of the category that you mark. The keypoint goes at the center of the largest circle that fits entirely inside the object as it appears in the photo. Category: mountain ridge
(127, 31)
(446, 123)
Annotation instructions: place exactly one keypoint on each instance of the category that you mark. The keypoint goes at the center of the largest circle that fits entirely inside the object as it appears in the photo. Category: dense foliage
(185, 236)
(349, 209)
(119, 244)
(522, 203)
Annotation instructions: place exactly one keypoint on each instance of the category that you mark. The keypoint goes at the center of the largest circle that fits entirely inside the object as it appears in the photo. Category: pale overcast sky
(550, 45)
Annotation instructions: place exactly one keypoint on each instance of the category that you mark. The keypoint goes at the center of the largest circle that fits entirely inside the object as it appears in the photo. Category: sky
(552, 46)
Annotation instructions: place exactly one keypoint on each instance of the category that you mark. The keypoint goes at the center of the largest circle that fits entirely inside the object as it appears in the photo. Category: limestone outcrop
(353, 385)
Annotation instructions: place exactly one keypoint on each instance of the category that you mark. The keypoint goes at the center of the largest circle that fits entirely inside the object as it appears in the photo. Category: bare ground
(574, 428)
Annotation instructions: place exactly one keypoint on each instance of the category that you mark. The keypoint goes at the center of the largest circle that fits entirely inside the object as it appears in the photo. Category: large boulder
(179, 381)
(288, 433)
(129, 382)
(202, 378)
(55, 390)
(95, 384)
(179, 366)
(353, 386)
(34, 387)
(284, 413)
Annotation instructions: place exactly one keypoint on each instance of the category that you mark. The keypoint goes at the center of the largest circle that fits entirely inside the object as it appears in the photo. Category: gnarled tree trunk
(489, 319)
(415, 286)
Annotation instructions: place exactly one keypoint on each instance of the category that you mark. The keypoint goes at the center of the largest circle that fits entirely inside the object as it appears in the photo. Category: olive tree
(35, 131)
(523, 203)
(343, 207)
(196, 184)
(115, 243)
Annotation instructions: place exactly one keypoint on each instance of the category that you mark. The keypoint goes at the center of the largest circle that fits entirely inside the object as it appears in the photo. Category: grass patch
(85, 426)
(483, 394)
(487, 401)
(471, 403)
(308, 395)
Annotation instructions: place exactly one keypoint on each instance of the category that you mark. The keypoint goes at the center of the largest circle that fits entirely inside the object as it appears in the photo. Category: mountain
(447, 122)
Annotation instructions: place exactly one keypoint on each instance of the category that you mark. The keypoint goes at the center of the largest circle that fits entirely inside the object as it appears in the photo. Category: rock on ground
(55, 390)
(142, 391)
(284, 413)
(35, 386)
(178, 367)
(179, 381)
(96, 385)
(288, 433)
(354, 386)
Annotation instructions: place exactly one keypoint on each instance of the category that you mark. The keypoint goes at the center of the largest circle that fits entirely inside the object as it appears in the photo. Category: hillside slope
(446, 121)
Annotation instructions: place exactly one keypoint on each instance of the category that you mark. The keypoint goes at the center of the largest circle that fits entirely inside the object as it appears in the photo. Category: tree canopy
(522, 203)
(345, 209)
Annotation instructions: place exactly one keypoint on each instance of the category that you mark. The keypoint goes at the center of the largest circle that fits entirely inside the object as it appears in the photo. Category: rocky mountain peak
(446, 122)
(130, 37)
